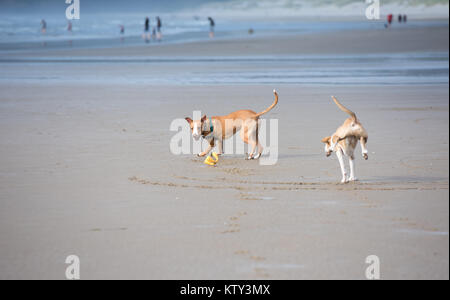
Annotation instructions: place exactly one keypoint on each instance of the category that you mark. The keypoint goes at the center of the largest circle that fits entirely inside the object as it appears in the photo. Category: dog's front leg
(219, 147)
(208, 149)
(333, 142)
(340, 157)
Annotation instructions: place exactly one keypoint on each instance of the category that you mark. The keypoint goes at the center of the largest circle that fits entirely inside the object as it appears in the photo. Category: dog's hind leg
(258, 144)
(248, 135)
(340, 157)
(244, 137)
(253, 144)
(260, 150)
(351, 161)
(363, 141)
(252, 141)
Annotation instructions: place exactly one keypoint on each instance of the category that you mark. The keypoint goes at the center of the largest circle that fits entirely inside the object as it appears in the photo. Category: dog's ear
(204, 118)
(189, 120)
(326, 140)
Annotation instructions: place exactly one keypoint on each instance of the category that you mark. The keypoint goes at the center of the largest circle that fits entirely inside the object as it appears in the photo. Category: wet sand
(86, 170)
(90, 174)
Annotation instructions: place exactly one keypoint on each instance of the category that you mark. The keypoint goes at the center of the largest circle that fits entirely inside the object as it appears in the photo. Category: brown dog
(344, 142)
(219, 128)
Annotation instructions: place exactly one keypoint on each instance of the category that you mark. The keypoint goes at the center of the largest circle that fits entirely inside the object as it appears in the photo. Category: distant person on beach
(69, 30)
(146, 34)
(122, 32)
(154, 33)
(147, 24)
(389, 20)
(404, 18)
(400, 18)
(158, 28)
(211, 27)
(43, 26)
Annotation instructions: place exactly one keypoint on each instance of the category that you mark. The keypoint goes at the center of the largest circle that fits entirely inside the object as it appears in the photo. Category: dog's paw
(353, 179)
(257, 156)
(366, 157)
(344, 180)
(201, 154)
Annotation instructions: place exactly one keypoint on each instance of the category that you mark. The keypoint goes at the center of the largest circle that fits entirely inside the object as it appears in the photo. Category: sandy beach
(86, 167)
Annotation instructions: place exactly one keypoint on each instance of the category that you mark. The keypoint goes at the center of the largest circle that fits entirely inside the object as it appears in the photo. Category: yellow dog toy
(212, 161)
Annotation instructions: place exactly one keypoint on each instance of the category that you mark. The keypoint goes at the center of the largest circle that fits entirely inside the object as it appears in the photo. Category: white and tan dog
(344, 142)
(219, 128)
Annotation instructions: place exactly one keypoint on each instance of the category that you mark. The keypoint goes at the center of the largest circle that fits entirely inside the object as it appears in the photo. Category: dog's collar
(211, 126)
(211, 129)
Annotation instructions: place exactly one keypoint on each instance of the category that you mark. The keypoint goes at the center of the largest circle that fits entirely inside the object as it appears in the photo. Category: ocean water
(323, 8)
(20, 32)
(15, 29)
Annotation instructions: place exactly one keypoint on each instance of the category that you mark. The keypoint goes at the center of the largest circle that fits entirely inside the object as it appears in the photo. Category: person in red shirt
(389, 21)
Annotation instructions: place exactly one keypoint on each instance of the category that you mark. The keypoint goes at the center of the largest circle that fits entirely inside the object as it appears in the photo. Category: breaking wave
(267, 8)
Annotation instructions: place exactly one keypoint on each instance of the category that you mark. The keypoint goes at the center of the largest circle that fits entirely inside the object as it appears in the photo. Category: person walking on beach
(154, 33)
(122, 32)
(147, 24)
(404, 18)
(400, 18)
(43, 26)
(211, 27)
(69, 30)
(389, 20)
(158, 29)
(146, 35)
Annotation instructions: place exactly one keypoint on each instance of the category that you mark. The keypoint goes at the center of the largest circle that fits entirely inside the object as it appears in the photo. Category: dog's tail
(271, 106)
(344, 109)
